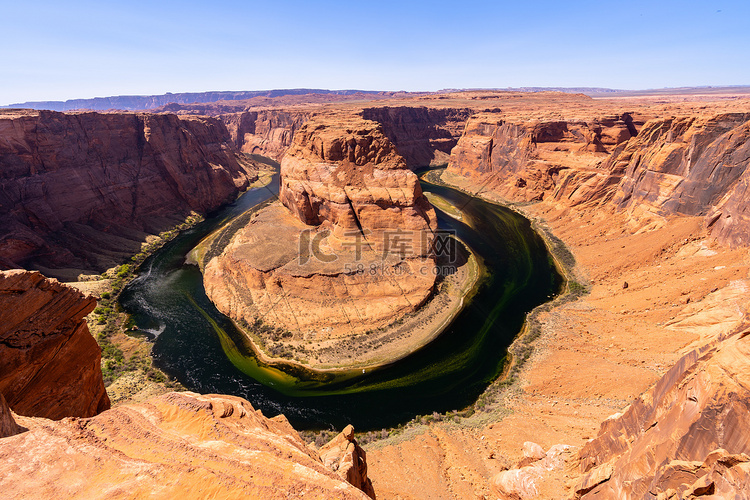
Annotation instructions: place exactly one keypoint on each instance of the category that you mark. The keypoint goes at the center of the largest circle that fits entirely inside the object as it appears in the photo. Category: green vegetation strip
(110, 316)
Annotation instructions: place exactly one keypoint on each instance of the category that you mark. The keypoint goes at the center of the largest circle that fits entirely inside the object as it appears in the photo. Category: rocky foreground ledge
(179, 445)
(62, 441)
(685, 437)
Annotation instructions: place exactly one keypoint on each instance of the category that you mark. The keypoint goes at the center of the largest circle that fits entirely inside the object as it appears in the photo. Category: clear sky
(57, 50)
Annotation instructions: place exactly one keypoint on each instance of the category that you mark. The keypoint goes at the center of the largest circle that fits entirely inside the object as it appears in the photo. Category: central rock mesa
(348, 249)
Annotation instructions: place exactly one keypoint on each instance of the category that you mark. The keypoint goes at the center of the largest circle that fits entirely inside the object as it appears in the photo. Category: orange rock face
(265, 132)
(526, 159)
(180, 445)
(343, 455)
(689, 165)
(49, 362)
(351, 250)
(689, 433)
(82, 190)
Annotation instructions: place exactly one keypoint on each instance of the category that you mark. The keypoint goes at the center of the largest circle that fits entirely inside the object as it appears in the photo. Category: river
(192, 340)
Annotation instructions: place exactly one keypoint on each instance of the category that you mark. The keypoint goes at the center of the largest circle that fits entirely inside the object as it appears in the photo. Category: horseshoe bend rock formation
(687, 435)
(49, 362)
(82, 190)
(179, 445)
(349, 250)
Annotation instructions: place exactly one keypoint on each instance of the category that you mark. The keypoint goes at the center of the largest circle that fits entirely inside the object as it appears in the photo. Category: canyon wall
(422, 135)
(350, 250)
(82, 190)
(687, 435)
(529, 160)
(266, 132)
(49, 362)
(179, 445)
(693, 165)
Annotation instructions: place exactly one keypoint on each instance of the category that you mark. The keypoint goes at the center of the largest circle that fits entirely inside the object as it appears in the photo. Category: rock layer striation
(82, 190)
(265, 132)
(49, 362)
(533, 158)
(689, 165)
(422, 135)
(689, 433)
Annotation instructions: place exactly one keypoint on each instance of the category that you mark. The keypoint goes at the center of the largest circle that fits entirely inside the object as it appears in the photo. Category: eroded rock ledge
(686, 436)
(49, 362)
(348, 252)
(179, 445)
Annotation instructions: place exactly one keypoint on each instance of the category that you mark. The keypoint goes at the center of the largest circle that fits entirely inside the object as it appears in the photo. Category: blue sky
(77, 49)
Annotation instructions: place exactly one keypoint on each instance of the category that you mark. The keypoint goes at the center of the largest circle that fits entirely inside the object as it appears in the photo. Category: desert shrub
(123, 270)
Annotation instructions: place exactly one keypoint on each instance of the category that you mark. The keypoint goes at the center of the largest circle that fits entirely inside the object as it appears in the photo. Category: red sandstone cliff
(691, 166)
(687, 435)
(49, 362)
(422, 135)
(82, 189)
(694, 165)
(179, 445)
(528, 160)
(266, 132)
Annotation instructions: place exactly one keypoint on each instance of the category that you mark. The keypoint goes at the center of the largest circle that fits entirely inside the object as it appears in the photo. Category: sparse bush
(123, 270)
